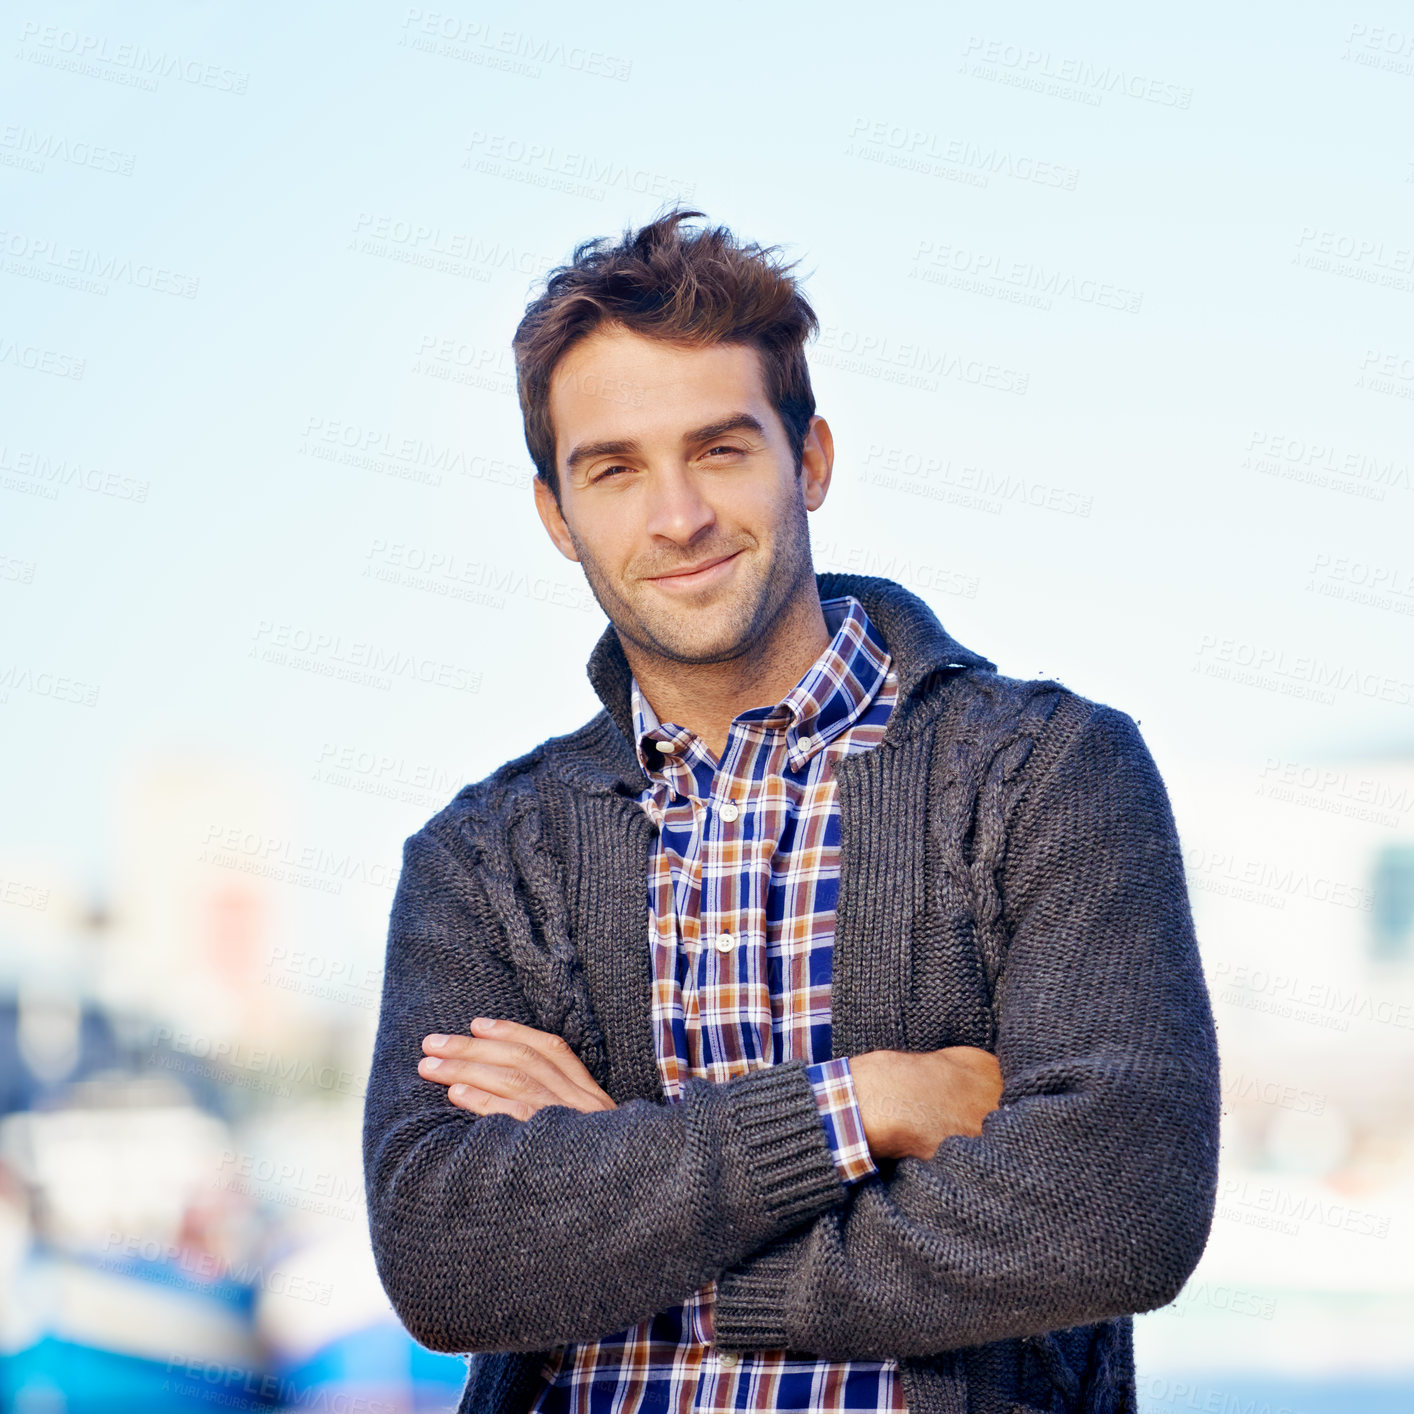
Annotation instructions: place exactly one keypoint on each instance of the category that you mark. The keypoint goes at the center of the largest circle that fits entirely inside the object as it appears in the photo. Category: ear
(817, 460)
(553, 519)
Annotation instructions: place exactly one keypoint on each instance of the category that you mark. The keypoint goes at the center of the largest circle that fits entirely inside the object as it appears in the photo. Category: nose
(678, 511)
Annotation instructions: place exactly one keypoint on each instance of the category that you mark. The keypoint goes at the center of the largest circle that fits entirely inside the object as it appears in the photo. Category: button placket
(725, 939)
(731, 900)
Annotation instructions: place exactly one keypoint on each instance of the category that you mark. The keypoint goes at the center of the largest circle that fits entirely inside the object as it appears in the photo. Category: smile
(706, 574)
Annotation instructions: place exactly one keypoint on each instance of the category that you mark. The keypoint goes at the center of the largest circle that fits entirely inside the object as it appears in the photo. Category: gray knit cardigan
(1010, 878)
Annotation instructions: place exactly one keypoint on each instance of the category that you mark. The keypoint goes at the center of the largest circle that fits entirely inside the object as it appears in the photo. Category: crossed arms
(1088, 1192)
(909, 1101)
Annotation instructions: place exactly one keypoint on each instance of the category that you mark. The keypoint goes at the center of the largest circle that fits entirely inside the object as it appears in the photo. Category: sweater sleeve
(1089, 1193)
(492, 1233)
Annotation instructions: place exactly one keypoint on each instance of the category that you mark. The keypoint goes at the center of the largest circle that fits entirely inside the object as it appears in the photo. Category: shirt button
(725, 942)
(666, 747)
(729, 1357)
(729, 811)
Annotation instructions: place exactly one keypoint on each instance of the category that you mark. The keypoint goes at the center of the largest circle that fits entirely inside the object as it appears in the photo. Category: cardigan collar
(833, 693)
(919, 644)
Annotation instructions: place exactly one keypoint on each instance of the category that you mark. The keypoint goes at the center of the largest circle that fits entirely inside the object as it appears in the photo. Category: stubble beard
(723, 631)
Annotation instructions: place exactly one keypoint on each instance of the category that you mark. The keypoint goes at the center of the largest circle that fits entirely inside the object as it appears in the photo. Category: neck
(705, 697)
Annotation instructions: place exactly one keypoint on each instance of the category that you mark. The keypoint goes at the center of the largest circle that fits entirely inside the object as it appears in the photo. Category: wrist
(886, 1121)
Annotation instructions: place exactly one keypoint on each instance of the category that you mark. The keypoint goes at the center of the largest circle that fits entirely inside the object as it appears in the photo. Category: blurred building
(1301, 874)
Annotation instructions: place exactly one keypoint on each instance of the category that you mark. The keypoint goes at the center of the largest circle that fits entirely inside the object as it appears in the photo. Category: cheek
(750, 501)
(765, 511)
(609, 536)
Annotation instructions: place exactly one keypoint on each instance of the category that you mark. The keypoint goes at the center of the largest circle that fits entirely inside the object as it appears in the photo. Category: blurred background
(1118, 352)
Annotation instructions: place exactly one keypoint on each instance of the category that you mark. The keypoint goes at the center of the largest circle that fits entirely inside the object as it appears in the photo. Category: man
(819, 1027)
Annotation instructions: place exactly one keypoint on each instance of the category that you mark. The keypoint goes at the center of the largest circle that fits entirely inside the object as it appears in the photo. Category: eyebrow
(625, 446)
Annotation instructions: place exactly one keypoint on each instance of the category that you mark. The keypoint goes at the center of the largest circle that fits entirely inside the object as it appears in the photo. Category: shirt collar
(919, 644)
(832, 694)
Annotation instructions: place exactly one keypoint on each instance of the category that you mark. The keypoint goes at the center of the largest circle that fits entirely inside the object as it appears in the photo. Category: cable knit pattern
(992, 739)
(524, 883)
(1010, 878)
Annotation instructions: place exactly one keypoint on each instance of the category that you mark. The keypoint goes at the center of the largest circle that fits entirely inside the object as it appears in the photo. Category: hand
(911, 1101)
(510, 1069)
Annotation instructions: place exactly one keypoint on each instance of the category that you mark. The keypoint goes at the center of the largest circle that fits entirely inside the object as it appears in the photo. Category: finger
(482, 1102)
(510, 1055)
(508, 1082)
(539, 1045)
(552, 1046)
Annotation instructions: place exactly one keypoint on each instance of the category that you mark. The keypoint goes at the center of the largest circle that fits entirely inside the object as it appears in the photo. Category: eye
(724, 447)
(607, 472)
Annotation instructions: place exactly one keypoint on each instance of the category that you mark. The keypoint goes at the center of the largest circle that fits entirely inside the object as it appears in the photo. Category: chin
(711, 634)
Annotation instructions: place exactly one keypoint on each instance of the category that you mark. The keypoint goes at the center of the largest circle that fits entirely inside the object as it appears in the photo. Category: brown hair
(691, 289)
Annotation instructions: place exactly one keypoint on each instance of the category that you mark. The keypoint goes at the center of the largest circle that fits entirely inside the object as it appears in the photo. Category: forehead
(615, 383)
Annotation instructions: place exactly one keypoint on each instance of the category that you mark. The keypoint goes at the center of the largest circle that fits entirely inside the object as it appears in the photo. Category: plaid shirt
(742, 886)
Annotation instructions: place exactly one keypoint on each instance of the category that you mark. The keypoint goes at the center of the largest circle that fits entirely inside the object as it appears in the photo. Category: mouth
(708, 572)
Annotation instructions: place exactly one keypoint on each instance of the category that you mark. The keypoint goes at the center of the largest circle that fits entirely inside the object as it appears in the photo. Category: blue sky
(1125, 270)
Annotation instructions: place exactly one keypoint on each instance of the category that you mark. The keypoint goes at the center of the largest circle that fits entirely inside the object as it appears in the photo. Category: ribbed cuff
(788, 1156)
(749, 1312)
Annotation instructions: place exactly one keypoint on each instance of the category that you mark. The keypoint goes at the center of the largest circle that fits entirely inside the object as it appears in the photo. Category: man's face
(678, 492)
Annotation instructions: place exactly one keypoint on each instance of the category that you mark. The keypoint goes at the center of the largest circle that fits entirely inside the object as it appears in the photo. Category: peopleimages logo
(134, 65)
(1313, 1001)
(56, 262)
(1023, 66)
(254, 852)
(1295, 675)
(588, 174)
(987, 272)
(45, 475)
(909, 365)
(958, 158)
(21, 146)
(492, 45)
(354, 660)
